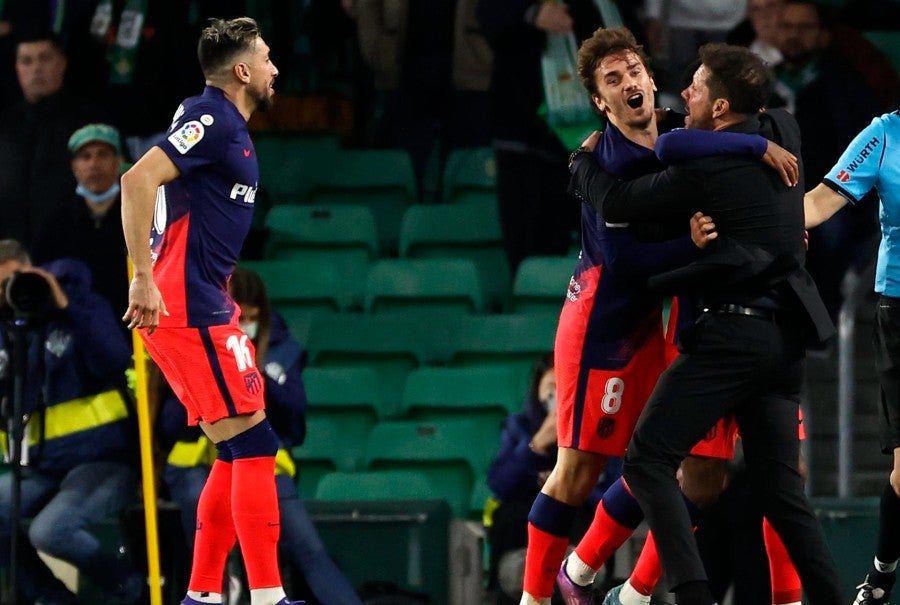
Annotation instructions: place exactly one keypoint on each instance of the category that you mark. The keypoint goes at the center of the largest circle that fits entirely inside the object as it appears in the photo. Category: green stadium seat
(391, 346)
(304, 290)
(329, 446)
(434, 393)
(282, 156)
(456, 231)
(348, 394)
(344, 232)
(513, 341)
(299, 321)
(424, 287)
(469, 175)
(540, 284)
(382, 179)
(395, 484)
(301, 284)
(451, 452)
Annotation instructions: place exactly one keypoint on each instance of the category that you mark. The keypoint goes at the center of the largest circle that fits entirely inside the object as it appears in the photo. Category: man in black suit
(744, 354)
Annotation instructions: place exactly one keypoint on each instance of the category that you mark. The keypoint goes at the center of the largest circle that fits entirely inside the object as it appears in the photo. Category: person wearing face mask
(526, 456)
(88, 224)
(190, 453)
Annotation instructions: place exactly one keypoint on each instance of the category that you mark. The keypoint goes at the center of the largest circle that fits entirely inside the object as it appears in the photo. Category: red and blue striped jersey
(203, 216)
(614, 265)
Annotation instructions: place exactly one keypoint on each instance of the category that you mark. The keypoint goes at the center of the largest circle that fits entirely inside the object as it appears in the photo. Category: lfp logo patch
(187, 136)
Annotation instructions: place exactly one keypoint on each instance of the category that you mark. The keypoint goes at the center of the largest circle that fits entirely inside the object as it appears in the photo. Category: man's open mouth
(635, 100)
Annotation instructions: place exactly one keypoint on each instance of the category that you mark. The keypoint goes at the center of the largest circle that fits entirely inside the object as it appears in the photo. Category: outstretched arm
(820, 204)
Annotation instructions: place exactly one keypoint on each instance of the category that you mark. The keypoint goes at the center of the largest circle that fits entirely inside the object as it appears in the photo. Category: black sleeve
(647, 198)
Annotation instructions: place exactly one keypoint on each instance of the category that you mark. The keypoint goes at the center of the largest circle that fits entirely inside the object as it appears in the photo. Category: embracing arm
(662, 195)
(691, 143)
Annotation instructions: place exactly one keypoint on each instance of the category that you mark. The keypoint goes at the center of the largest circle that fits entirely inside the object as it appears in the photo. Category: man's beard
(263, 101)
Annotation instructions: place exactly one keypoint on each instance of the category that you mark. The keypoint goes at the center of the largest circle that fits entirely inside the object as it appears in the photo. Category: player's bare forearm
(820, 204)
(138, 201)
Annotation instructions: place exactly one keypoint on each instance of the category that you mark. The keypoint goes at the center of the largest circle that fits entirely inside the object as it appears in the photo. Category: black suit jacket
(759, 219)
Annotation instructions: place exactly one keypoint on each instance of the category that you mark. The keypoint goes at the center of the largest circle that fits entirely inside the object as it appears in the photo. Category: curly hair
(602, 43)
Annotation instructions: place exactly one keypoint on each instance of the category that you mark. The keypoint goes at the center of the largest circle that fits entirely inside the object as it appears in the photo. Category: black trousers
(886, 341)
(754, 368)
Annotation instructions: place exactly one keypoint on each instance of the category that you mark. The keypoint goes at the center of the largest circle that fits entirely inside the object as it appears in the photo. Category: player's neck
(645, 136)
(238, 96)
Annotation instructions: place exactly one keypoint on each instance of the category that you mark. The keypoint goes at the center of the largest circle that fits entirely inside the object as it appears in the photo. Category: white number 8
(612, 397)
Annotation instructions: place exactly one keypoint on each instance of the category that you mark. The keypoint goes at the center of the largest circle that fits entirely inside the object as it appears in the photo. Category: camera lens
(28, 294)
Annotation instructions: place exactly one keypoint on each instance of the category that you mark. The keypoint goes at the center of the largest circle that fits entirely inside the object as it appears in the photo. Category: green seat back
(315, 232)
(339, 392)
(382, 179)
(451, 452)
(513, 341)
(469, 172)
(458, 231)
(330, 445)
(440, 393)
(426, 287)
(301, 284)
(391, 346)
(395, 484)
(282, 157)
(541, 283)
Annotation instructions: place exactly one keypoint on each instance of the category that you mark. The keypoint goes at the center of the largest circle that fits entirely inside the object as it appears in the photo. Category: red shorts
(212, 370)
(719, 441)
(597, 409)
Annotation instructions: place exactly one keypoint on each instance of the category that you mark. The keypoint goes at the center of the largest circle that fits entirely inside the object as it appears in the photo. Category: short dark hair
(602, 43)
(11, 249)
(41, 35)
(222, 39)
(737, 74)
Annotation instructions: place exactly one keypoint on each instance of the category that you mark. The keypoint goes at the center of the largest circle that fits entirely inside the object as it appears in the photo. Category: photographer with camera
(79, 458)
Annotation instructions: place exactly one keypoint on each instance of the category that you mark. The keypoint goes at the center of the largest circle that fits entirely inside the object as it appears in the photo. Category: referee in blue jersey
(865, 165)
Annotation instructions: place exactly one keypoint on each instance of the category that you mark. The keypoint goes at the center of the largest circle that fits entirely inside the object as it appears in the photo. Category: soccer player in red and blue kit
(610, 348)
(193, 196)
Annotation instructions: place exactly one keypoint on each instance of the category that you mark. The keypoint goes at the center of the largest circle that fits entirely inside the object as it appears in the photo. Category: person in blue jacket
(79, 456)
(526, 456)
(191, 454)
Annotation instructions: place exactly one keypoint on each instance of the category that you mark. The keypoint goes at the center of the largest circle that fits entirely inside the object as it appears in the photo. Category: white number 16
(238, 345)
